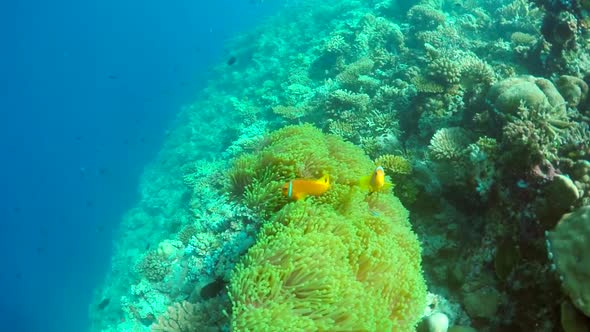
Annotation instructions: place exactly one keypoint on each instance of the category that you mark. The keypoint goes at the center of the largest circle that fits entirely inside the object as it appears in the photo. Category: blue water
(88, 91)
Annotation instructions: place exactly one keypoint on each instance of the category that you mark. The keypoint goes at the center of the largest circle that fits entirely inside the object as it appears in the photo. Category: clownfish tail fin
(365, 182)
(325, 179)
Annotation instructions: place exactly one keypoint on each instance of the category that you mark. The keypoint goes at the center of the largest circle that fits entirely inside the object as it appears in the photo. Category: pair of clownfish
(300, 188)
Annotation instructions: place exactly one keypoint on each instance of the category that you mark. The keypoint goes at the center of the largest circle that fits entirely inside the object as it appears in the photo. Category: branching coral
(349, 77)
(290, 112)
(400, 169)
(395, 164)
(449, 144)
(188, 317)
(187, 233)
(425, 17)
(520, 15)
(153, 266)
(475, 72)
(180, 317)
(341, 100)
(444, 71)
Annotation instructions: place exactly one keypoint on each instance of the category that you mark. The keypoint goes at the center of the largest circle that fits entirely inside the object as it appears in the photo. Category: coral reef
(478, 111)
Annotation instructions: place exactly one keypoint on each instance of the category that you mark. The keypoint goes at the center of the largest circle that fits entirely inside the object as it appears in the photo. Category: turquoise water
(297, 166)
(89, 92)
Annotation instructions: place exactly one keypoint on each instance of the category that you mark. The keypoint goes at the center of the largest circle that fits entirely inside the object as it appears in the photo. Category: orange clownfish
(300, 188)
(375, 181)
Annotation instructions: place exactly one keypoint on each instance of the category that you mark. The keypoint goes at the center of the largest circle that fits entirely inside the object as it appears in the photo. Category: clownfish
(375, 181)
(300, 188)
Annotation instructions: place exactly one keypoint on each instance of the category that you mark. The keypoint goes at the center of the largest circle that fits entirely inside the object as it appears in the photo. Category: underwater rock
(572, 320)
(438, 322)
(212, 289)
(483, 302)
(562, 192)
(506, 259)
(459, 328)
(170, 249)
(560, 30)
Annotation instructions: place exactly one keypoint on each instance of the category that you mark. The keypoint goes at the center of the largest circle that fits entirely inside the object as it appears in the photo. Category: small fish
(103, 171)
(375, 181)
(104, 303)
(212, 289)
(231, 60)
(300, 188)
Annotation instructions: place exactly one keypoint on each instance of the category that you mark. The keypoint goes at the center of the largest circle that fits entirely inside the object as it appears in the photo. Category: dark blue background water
(87, 92)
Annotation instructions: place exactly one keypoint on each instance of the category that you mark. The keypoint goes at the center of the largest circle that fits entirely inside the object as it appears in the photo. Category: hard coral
(425, 17)
(444, 71)
(573, 89)
(532, 92)
(568, 245)
(188, 317)
(449, 144)
(153, 266)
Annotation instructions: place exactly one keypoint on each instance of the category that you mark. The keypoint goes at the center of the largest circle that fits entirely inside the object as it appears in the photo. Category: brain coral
(534, 92)
(344, 261)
